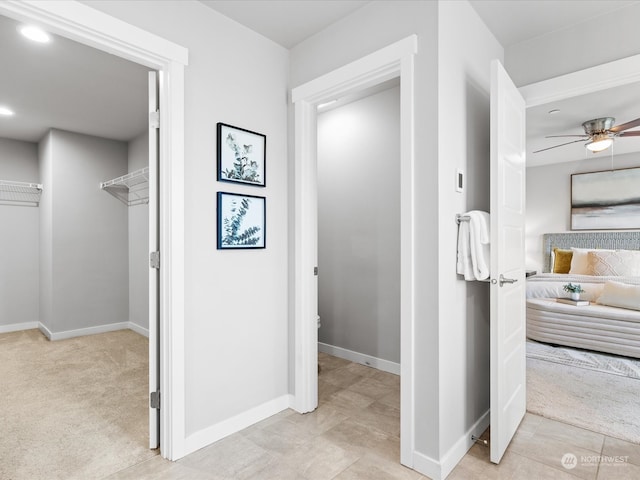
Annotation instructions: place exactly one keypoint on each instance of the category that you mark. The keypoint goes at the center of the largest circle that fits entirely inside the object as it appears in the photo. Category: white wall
(549, 198)
(138, 220)
(86, 261)
(465, 50)
(236, 350)
(19, 271)
(374, 26)
(359, 224)
(577, 47)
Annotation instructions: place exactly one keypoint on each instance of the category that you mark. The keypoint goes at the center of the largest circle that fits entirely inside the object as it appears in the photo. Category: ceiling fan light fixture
(599, 143)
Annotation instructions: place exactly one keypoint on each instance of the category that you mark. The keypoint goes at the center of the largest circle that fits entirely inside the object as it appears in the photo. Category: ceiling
(286, 22)
(513, 22)
(68, 86)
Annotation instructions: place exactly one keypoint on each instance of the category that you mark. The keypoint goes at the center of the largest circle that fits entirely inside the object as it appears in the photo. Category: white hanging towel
(464, 266)
(473, 242)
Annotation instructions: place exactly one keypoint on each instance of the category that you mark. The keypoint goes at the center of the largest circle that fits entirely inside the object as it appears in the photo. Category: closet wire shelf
(20, 193)
(131, 189)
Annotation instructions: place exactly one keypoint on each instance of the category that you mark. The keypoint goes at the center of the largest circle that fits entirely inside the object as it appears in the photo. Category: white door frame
(91, 27)
(396, 60)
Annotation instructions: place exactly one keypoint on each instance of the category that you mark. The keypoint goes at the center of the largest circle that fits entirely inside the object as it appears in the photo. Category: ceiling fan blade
(629, 134)
(559, 136)
(556, 146)
(625, 126)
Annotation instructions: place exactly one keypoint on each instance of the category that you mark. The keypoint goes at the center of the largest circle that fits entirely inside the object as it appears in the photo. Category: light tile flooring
(354, 434)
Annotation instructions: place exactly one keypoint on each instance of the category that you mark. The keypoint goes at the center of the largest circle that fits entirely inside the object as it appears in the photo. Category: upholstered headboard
(609, 240)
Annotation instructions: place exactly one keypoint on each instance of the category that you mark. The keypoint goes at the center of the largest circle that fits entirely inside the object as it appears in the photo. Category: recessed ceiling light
(34, 33)
(6, 111)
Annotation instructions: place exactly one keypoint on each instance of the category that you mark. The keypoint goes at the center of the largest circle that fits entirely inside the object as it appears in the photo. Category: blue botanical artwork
(241, 221)
(606, 200)
(241, 155)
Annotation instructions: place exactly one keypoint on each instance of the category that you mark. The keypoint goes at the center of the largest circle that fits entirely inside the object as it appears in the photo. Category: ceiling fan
(599, 133)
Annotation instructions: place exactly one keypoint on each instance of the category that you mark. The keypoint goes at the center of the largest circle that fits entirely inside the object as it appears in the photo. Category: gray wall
(138, 154)
(19, 270)
(359, 224)
(549, 198)
(84, 244)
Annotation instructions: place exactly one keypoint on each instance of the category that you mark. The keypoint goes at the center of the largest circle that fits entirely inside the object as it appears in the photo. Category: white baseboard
(17, 327)
(427, 466)
(81, 332)
(439, 470)
(361, 358)
(45, 331)
(138, 329)
(223, 429)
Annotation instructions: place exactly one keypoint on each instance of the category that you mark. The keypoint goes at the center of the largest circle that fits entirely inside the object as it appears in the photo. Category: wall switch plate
(459, 180)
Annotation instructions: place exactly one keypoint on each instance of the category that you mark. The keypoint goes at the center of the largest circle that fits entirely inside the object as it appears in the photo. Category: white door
(508, 367)
(154, 315)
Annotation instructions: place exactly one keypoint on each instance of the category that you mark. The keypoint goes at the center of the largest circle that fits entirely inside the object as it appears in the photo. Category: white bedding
(549, 285)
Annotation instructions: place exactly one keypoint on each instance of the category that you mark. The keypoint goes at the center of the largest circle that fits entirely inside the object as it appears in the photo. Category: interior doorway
(358, 224)
(77, 164)
(395, 61)
(93, 28)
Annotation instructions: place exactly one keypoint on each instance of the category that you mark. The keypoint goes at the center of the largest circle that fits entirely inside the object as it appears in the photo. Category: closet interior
(74, 258)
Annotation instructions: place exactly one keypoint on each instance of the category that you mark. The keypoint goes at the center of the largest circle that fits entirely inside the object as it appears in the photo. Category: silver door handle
(507, 280)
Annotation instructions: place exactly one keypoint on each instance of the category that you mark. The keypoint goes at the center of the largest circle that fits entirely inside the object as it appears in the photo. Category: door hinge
(154, 119)
(315, 271)
(154, 399)
(154, 260)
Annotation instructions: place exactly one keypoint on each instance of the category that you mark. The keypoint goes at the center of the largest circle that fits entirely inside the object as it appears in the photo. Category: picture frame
(242, 221)
(241, 155)
(606, 200)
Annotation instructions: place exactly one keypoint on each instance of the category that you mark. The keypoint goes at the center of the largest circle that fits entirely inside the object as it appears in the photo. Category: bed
(606, 328)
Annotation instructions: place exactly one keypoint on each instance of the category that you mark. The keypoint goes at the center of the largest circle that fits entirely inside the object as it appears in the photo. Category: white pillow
(580, 261)
(622, 263)
(616, 294)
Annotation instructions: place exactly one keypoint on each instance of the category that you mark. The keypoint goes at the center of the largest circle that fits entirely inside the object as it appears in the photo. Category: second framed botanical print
(241, 221)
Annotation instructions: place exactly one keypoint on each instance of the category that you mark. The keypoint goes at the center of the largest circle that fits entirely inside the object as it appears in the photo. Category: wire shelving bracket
(131, 189)
(20, 193)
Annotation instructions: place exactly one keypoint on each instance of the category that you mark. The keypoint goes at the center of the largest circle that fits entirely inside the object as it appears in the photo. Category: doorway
(93, 28)
(89, 248)
(390, 62)
(358, 224)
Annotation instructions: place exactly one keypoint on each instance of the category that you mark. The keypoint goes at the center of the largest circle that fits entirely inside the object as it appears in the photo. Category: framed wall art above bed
(608, 200)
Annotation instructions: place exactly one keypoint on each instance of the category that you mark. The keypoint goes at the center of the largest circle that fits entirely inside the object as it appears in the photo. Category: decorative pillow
(561, 260)
(616, 294)
(625, 263)
(580, 262)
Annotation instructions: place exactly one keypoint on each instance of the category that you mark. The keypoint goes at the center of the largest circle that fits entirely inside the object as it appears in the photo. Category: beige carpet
(72, 409)
(598, 401)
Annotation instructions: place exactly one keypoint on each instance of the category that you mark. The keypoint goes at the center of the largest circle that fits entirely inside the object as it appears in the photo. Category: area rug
(594, 391)
(600, 362)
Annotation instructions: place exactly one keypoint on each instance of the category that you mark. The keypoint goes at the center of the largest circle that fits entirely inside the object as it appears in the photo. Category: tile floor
(354, 434)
